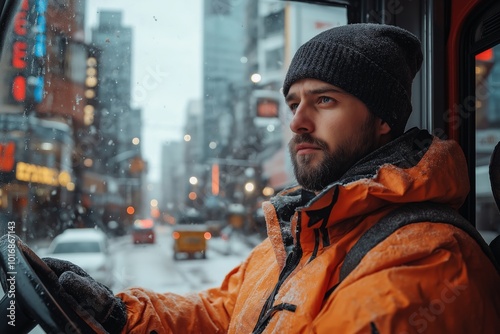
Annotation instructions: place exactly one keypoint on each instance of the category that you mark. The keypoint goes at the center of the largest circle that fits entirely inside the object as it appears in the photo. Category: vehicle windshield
(77, 247)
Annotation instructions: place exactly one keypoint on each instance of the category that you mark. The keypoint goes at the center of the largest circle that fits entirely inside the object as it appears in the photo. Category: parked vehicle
(88, 248)
(190, 236)
(143, 231)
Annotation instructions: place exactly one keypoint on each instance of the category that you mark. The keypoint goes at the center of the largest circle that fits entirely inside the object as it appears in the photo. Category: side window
(480, 96)
(487, 71)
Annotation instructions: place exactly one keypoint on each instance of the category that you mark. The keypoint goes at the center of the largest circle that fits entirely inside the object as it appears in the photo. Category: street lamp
(249, 187)
(255, 78)
(268, 191)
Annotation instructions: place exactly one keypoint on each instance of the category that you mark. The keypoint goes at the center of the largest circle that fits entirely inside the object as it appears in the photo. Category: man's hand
(94, 297)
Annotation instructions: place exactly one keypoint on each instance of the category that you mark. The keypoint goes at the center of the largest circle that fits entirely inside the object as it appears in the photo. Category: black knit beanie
(374, 62)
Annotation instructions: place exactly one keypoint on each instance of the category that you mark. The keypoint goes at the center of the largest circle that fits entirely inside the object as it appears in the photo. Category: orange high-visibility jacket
(424, 278)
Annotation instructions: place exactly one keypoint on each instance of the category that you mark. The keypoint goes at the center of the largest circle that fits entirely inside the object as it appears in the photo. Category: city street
(153, 266)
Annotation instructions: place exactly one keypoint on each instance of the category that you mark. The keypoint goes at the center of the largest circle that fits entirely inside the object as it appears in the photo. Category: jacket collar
(402, 152)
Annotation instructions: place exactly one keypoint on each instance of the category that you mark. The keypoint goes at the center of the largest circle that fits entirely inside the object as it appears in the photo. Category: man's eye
(293, 106)
(325, 99)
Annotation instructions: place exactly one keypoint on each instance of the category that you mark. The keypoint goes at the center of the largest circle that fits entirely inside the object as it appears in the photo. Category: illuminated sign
(19, 52)
(23, 29)
(7, 156)
(41, 174)
(39, 50)
(19, 49)
(7, 161)
(91, 82)
(267, 107)
(266, 103)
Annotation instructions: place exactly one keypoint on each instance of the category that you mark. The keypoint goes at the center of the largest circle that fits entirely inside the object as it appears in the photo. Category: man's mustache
(308, 139)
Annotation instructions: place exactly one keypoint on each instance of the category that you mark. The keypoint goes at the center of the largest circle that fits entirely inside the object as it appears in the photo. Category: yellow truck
(190, 234)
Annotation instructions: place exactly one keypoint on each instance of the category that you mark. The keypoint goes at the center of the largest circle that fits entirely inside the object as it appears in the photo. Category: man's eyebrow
(290, 96)
(316, 91)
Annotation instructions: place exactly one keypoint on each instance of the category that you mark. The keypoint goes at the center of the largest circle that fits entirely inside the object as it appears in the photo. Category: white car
(87, 248)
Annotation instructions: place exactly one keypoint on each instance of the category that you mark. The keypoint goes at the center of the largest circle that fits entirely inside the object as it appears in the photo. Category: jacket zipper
(292, 261)
(268, 310)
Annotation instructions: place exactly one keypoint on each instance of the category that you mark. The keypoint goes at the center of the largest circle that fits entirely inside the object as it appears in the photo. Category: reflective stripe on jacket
(424, 278)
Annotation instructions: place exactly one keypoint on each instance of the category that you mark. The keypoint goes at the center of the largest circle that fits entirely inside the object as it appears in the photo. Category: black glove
(94, 297)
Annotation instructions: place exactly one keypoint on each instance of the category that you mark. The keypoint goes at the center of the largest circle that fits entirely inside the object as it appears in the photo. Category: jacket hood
(414, 167)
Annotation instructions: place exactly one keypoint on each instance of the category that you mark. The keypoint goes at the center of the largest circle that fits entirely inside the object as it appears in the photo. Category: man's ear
(382, 127)
(383, 132)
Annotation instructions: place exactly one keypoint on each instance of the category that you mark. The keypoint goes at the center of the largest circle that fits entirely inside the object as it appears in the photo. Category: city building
(173, 178)
(114, 88)
(119, 158)
(223, 71)
(40, 116)
(52, 129)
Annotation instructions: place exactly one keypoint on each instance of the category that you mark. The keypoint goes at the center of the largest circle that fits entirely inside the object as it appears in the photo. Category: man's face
(332, 130)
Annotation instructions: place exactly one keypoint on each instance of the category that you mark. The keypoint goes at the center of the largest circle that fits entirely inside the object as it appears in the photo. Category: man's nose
(301, 121)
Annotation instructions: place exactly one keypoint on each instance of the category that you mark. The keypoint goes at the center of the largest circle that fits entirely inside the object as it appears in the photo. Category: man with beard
(334, 262)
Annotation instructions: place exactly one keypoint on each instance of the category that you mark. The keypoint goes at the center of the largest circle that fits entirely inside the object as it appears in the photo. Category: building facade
(51, 174)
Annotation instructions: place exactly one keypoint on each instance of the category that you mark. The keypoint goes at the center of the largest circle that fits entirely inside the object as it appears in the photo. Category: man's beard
(334, 164)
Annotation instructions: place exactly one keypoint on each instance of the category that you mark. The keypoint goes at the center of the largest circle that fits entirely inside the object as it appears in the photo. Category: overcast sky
(167, 65)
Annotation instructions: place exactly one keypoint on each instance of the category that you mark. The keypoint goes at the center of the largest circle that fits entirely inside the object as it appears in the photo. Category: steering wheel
(33, 295)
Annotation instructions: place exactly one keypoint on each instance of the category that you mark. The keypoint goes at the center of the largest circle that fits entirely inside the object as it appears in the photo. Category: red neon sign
(19, 53)
(267, 108)
(19, 88)
(20, 22)
(7, 157)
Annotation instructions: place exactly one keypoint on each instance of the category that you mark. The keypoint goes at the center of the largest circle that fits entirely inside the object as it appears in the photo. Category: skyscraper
(223, 69)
